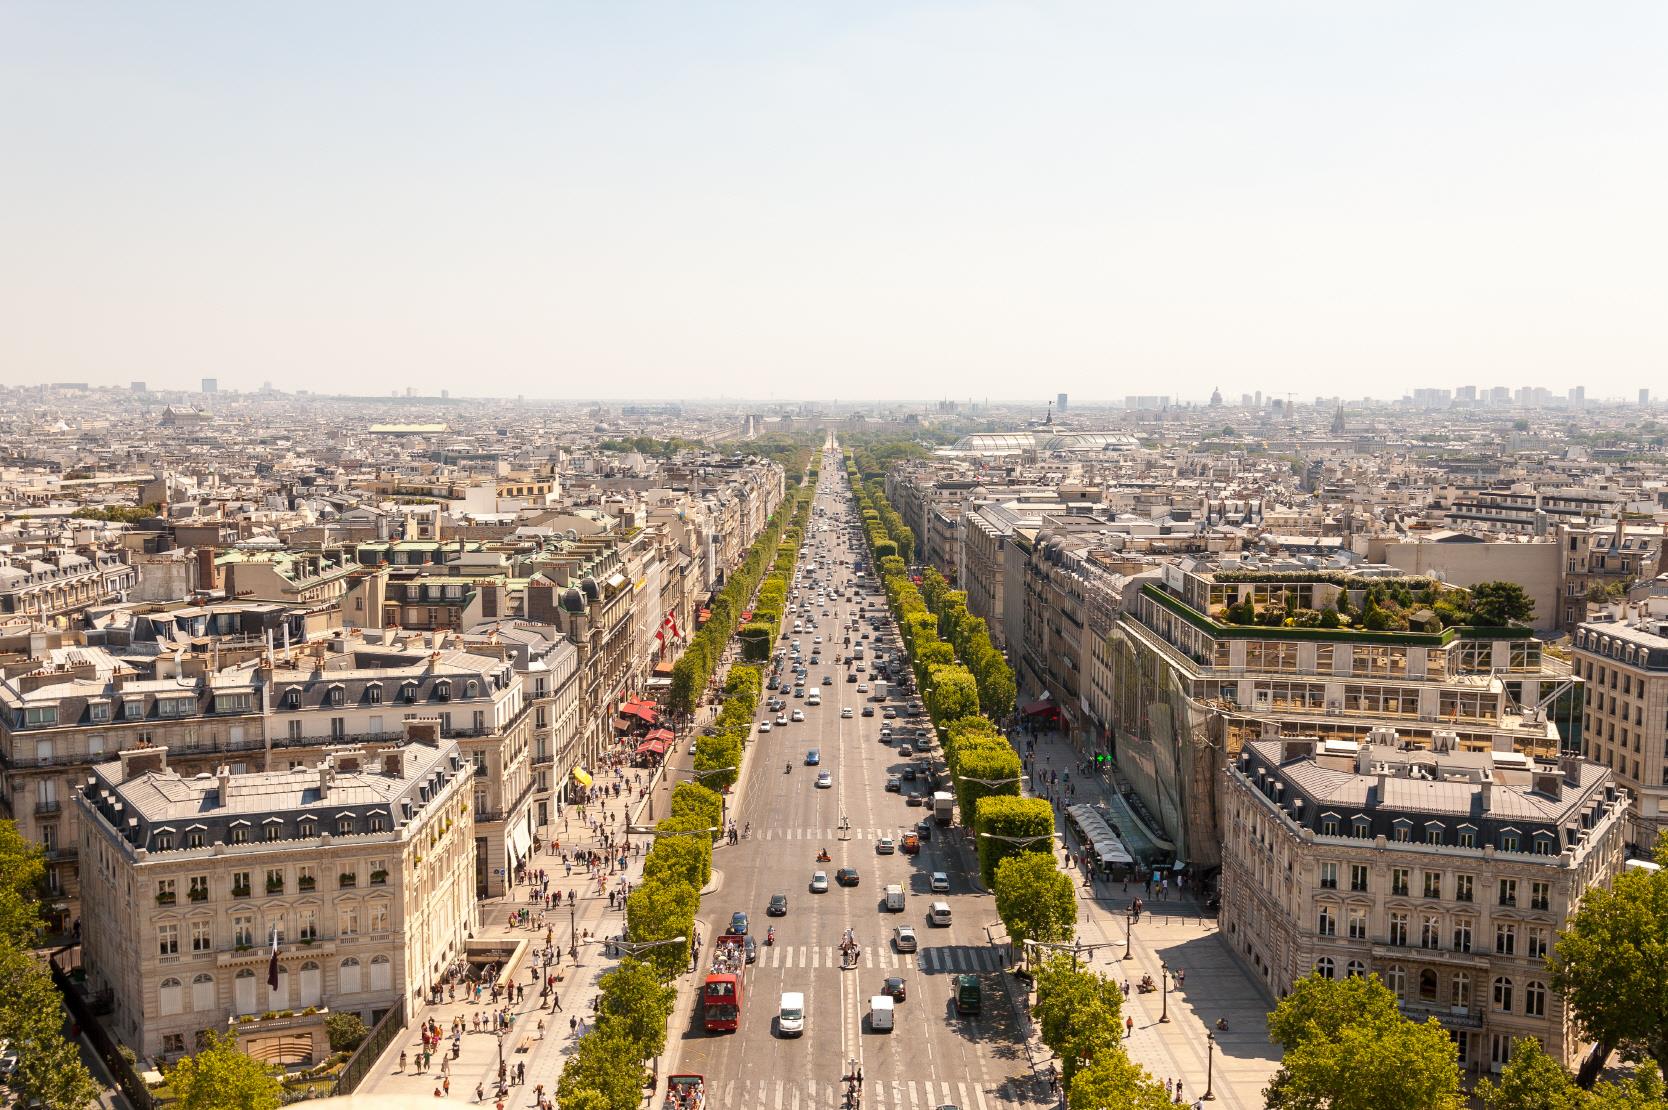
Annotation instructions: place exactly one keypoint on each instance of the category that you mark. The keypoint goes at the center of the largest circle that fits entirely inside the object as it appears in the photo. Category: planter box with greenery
(379, 877)
(197, 894)
(240, 892)
(165, 898)
(275, 887)
(348, 880)
(304, 883)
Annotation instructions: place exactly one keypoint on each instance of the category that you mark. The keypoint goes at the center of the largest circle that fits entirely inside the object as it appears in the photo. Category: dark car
(894, 783)
(751, 948)
(916, 800)
(851, 676)
(894, 986)
(868, 711)
(923, 829)
(738, 924)
(778, 905)
(846, 876)
(909, 774)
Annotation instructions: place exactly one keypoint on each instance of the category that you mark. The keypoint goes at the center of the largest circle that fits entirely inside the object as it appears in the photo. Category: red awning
(662, 734)
(641, 712)
(1038, 708)
(621, 724)
(658, 747)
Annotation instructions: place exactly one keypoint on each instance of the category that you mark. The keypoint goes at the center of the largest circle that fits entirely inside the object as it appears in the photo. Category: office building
(1624, 662)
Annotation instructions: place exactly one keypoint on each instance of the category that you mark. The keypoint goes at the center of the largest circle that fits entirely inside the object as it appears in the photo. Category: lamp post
(1210, 1050)
(1129, 929)
(573, 934)
(1164, 974)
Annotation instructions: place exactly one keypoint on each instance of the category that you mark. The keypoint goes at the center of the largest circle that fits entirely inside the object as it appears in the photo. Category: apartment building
(548, 664)
(1448, 874)
(361, 866)
(50, 585)
(1624, 663)
(345, 691)
(79, 706)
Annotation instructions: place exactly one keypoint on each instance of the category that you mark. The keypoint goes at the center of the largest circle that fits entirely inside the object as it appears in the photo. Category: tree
(346, 1030)
(605, 1063)
(1494, 604)
(1078, 1013)
(1347, 1047)
(684, 859)
(953, 693)
(1532, 1080)
(694, 800)
(1034, 898)
(220, 1076)
(1112, 1081)
(688, 682)
(1611, 964)
(637, 1004)
(661, 911)
(721, 756)
(22, 874)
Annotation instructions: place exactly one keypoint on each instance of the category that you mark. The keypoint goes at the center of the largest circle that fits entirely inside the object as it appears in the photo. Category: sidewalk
(543, 1054)
(1174, 932)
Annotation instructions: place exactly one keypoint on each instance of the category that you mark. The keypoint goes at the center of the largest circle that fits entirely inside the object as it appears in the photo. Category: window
(1433, 832)
(168, 996)
(1468, 836)
(243, 929)
(165, 892)
(373, 693)
(1461, 995)
(1357, 924)
(201, 936)
(199, 890)
(232, 703)
(443, 690)
(304, 877)
(1462, 934)
(308, 828)
(309, 925)
(1329, 876)
(168, 940)
(1462, 888)
(40, 716)
(240, 884)
(1534, 999)
(1505, 939)
(379, 917)
(1535, 940)
(1356, 970)
(1508, 842)
(98, 711)
(1503, 994)
(1396, 979)
(379, 867)
(292, 698)
(274, 830)
(1402, 831)
(1327, 922)
(344, 826)
(175, 707)
(240, 834)
(376, 822)
(1430, 931)
(1357, 876)
(1329, 824)
(202, 992)
(275, 880)
(1540, 896)
(408, 691)
(1398, 928)
(165, 841)
(1398, 880)
(1508, 892)
(338, 696)
(1433, 884)
(1325, 968)
(347, 920)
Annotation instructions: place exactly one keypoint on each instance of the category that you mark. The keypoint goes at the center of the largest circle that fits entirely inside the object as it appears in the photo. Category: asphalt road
(933, 1058)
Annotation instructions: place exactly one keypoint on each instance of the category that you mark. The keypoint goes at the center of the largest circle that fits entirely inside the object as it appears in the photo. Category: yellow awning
(581, 777)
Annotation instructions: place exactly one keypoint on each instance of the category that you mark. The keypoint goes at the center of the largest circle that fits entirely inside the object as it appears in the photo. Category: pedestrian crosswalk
(938, 959)
(893, 1094)
(834, 835)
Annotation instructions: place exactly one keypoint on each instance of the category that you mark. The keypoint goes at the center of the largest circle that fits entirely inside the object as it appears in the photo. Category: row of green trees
(1034, 899)
(692, 672)
(606, 1071)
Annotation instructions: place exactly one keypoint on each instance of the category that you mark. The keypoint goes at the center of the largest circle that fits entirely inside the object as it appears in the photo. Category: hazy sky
(826, 198)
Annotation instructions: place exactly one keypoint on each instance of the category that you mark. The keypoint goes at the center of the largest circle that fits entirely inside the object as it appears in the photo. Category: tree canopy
(221, 1076)
(1034, 898)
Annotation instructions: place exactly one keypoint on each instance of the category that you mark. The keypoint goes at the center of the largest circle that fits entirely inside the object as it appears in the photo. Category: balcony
(1451, 1017)
(198, 894)
(304, 884)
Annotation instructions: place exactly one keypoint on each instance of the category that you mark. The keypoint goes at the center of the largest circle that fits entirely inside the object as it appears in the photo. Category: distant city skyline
(913, 200)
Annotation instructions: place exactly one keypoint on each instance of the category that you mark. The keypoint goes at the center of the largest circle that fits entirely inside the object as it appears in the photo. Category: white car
(904, 937)
(845, 711)
(862, 687)
(819, 882)
(825, 780)
(764, 726)
(798, 715)
(885, 846)
(940, 883)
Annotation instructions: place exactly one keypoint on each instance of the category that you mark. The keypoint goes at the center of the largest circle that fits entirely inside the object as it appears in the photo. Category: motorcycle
(787, 768)
(770, 936)
(824, 857)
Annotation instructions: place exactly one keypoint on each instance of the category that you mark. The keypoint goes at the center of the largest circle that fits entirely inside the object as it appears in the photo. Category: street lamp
(1129, 929)
(1210, 1049)
(1164, 974)
(1075, 948)
(993, 783)
(1020, 840)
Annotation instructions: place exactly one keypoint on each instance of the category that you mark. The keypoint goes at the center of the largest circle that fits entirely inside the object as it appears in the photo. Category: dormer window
(373, 693)
(338, 696)
(292, 698)
(1468, 836)
(133, 708)
(344, 826)
(443, 690)
(175, 707)
(40, 716)
(98, 711)
(309, 827)
(471, 688)
(408, 691)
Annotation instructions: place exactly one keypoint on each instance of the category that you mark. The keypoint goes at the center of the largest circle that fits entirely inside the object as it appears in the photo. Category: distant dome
(573, 601)
(589, 586)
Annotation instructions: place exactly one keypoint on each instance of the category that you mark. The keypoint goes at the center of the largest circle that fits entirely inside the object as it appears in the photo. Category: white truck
(943, 807)
(880, 692)
(895, 898)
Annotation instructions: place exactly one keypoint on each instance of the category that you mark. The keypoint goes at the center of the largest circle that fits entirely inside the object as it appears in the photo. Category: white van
(938, 913)
(895, 898)
(880, 1013)
(790, 1019)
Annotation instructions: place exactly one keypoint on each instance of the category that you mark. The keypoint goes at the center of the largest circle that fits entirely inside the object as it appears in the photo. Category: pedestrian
(1129, 1024)
(573, 1025)
(402, 1060)
(446, 1085)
